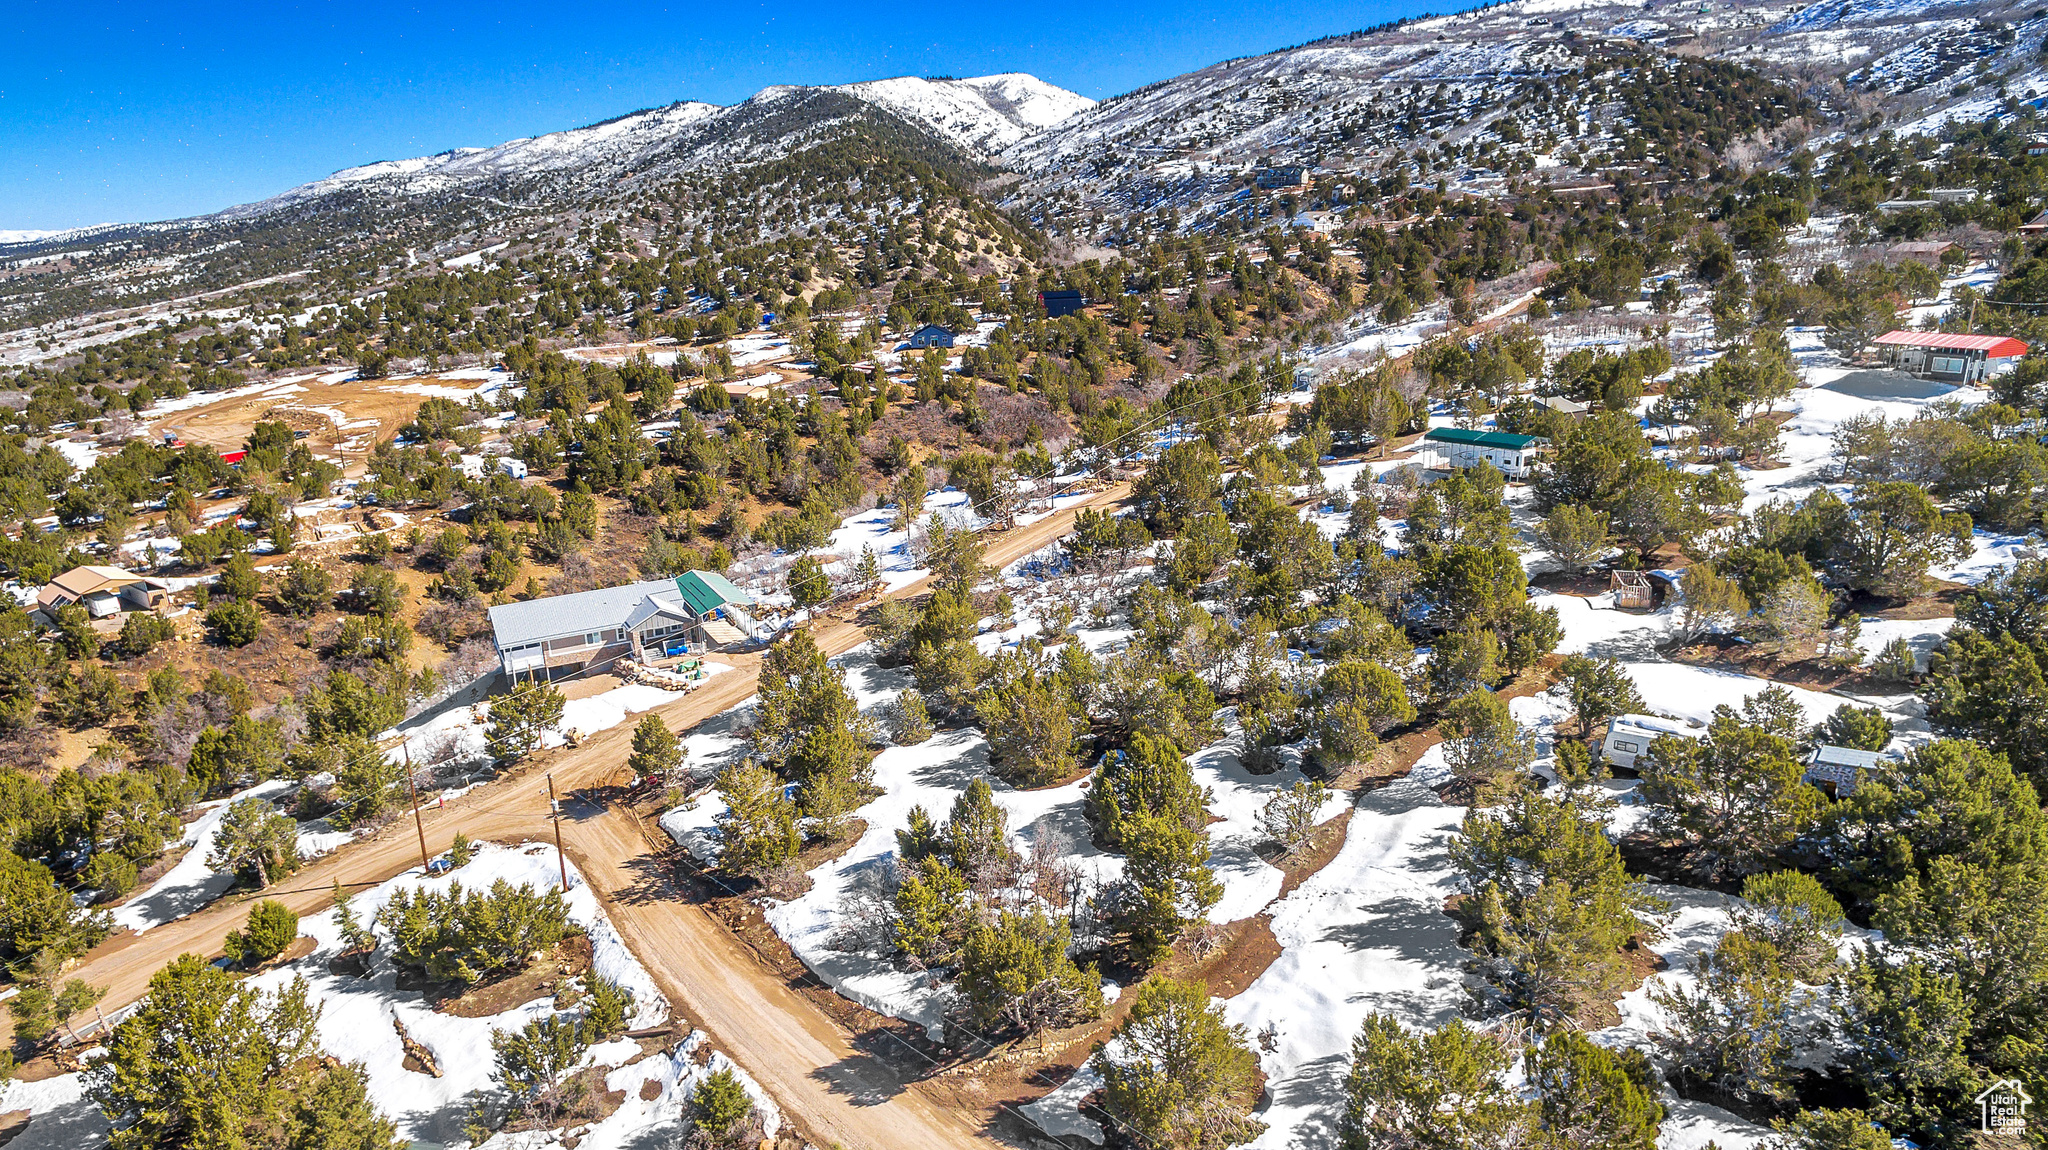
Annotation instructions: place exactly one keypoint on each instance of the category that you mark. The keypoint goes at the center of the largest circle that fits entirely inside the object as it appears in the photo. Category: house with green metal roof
(693, 612)
(1452, 448)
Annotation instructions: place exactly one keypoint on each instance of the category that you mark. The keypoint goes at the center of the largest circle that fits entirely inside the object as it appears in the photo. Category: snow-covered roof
(1654, 725)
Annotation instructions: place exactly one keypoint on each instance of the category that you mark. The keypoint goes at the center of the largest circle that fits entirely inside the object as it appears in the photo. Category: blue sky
(138, 111)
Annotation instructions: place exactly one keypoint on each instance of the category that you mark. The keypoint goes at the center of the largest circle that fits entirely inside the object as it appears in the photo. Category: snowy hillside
(981, 115)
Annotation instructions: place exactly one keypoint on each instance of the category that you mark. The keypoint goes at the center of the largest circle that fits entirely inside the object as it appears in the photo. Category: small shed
(2035, 226)
(1563, 406)
(1632, 590)
(1838, 769)
(930, 335)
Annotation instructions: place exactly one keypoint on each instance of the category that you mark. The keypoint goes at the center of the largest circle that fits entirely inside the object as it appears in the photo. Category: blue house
(930, 335)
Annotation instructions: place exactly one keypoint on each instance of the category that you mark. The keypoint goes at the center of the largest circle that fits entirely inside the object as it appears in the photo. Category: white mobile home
(1631, 735)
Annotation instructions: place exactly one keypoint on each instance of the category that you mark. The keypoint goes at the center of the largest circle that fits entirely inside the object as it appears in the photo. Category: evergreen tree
(808, 586)
(255, 841)
(759, 828)
(1482, 741)
(207, 1061)
(910, 722)
(808, 729)
(1599, 689)
(1444, 1088)
(1905, 1029)
(1552, 904)
(1861, 728)
(1031, 730)
(1168, 881)
(1593, 1097)
(723, 1113)
(1734, 1029)
(977, 838)
(520, 717)
(1356, 702)
(657, 753)
(271, 927)
(1015, 971)
(1736, 799)
(1178, 1075)
(1792, 912)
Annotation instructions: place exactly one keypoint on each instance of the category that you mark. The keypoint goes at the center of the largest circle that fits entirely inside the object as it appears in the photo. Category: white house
(693, 611)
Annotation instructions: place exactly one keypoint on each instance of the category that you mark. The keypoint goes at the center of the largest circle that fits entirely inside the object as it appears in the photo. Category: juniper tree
(758, 832)
(1735, 799)
(1176, 1074)
(1598, 690)
(1014, 970)
(1735, 1028)
(255, 840)
(1551, 902)
(1032, 729)
(657, 753)
(1439, 1088)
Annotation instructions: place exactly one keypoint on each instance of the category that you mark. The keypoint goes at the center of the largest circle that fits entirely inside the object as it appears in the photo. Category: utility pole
(555, 810)
(413, 790)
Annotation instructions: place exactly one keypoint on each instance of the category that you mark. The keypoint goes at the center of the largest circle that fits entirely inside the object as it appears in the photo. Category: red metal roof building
(1949, 357)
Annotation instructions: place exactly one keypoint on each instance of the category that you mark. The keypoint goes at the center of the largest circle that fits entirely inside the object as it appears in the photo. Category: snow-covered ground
(359, 1018)
(191, 884)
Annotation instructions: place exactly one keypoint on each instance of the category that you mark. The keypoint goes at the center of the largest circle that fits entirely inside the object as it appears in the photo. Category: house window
(593, 639)
(1948, 365)
(1625, 748)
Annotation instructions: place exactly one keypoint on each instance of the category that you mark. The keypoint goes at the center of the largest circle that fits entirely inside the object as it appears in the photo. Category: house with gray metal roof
(694, 611)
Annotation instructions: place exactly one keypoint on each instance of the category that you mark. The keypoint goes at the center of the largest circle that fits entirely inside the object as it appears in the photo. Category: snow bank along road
(834, 1093)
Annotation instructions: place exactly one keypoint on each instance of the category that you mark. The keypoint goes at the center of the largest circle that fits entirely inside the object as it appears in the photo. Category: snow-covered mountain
(1343, 104)
(980, 116)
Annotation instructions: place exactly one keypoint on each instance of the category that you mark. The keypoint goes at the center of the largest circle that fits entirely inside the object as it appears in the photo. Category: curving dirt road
(835, 1093)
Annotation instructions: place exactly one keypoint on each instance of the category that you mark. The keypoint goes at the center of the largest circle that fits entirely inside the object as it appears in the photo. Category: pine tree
(759, 828)
(932, 912)
(657, 753)
(255, 840)
(519, 719)
(911, 723)
(1176, 1074)
(723, 1113)
(1356, 702)
(1796, 915)
(208, 1061)
(271, 927)
(1015, 971)
(1552, 903)
(1442, 1088)
(977, 840)
(1862, 728)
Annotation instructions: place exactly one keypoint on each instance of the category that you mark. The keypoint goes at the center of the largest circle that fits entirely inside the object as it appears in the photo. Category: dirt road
(835, 1093)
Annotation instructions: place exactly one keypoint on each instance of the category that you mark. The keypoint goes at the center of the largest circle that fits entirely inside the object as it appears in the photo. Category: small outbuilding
(1837, 770)
(1949, 357)
(1632, 590)
(930, 335)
